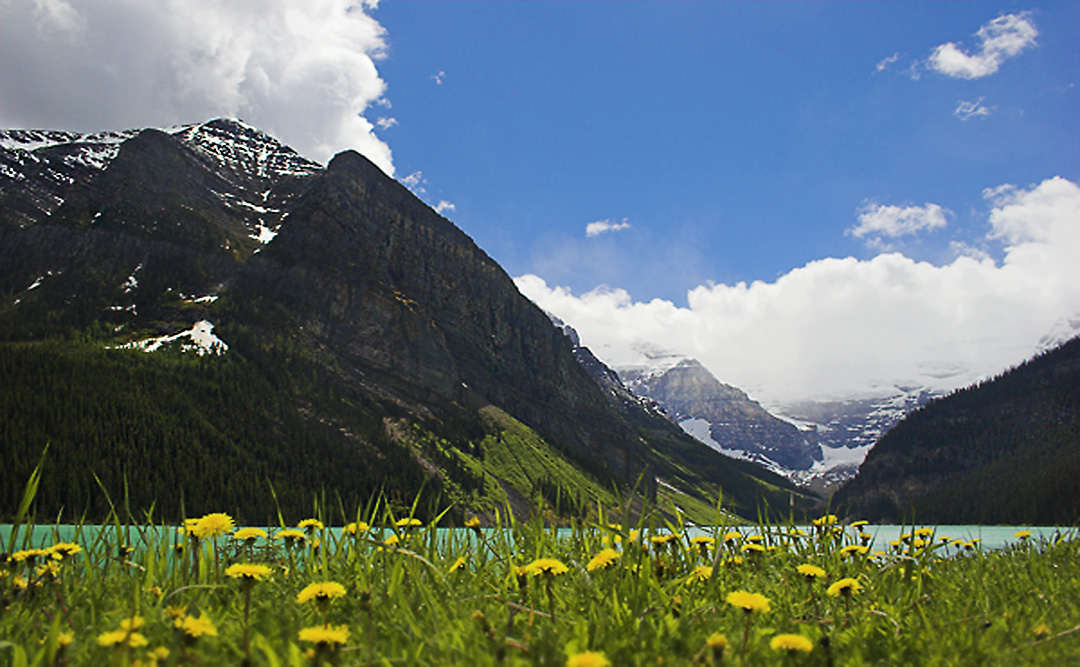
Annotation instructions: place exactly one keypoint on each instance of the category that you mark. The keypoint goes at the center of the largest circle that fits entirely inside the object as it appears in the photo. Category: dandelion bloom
(854, 549)
(356, 527)
(924, 532)
(755, 539)
(846, 586)
(547, 566)
(717, 642)
(1022, 534)
(327, 635)
(458, 564)
(791, 643)
(212, 525)
(28, 555)
(291, 535)
(392, 541)
(602, 560)
(248, 571)
(310, 524)
(827, 520)
(245, 534)
(703, 539)
(474, 522)
(408, 523)
(751, 547)
(811, 571)
(700, 573)
(120, 637)
(64, 639)
(62, 550)
(748, 602)
(324, 590)
(193, 628)
(857, 524)
(732, 536)
(588, 659)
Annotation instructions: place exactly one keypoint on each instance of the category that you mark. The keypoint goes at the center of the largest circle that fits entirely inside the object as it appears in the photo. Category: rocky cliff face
(725, 417)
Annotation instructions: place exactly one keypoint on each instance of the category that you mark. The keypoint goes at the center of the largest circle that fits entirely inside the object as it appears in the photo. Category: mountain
(724, 417)
(201, 313)
(1005, 450)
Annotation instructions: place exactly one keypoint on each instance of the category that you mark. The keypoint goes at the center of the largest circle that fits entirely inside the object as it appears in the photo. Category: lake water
(990, 537)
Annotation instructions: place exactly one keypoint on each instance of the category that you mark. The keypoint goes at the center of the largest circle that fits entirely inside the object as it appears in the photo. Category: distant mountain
(724, 417)
(200, 315)
(1005, 450)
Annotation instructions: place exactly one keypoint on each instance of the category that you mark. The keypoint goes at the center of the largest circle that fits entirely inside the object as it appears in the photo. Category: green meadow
(375, 588)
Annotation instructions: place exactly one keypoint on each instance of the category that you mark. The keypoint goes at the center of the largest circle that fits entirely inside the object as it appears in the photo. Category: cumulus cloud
(444, 205)
(880, 220)
(888, 62)
(604, 226)
(839, 327)
(972, 109)
(303, 71)
(1003, 38)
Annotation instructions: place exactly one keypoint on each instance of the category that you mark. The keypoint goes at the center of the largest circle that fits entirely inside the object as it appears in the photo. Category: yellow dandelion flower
(392, 541)
(50, 570)
(811, 571)
(703, 539)
(588, 659)
(62, 550)
(1022, 534)
(153, 590)
(700, 573)
(159, 654)
(732, 536)
(791, 643)
(193, 628)
(924, 532)
(602, 560)
(131, 624)
(548, 566)
(310, 525)
(212, 525)
(357, 527)
(408, 523)
(28, 555)
(634, 535)
(854, 549)
(846, 586)
(797, 532)
(458, 564)
(752, 548)
(121, 637)
(717, 642)
(324, 590)
(663, 539)
(291, 535)
(474, 522)
(248, 571)
(857, 524)
(827, 520)
(734, 560)
(755, 539)
(748, 602)
(64, 639)
(176, 611)
(245, 534)
(327, 635)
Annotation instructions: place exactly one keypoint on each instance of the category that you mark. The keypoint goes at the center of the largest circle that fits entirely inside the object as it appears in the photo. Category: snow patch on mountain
(699, 429)
(201, 339)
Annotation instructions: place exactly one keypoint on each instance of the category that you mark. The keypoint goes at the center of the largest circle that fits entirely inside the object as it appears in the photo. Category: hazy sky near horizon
(810, 197)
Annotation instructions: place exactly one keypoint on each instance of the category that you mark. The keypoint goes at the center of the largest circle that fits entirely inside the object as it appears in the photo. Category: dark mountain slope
(369, 329)
(1004, 451)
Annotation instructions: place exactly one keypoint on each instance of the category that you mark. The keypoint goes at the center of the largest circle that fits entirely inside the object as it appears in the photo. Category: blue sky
(736, 140)
(813, 198)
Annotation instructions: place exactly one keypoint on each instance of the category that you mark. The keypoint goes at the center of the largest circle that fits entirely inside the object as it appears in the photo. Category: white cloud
(604, 226)
(385, 123)
(967, 110)
(303, 71)
(1003, 38)
(880, 220)
(835, 327)
(415, 182)
(887, 62)
(439, 77)
(444, 205)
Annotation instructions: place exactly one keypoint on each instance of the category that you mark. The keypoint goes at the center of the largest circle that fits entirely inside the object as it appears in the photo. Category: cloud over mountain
(837, 326)
(303, 71)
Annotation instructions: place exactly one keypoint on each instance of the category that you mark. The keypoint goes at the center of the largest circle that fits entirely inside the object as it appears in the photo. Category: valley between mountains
(201, 309)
